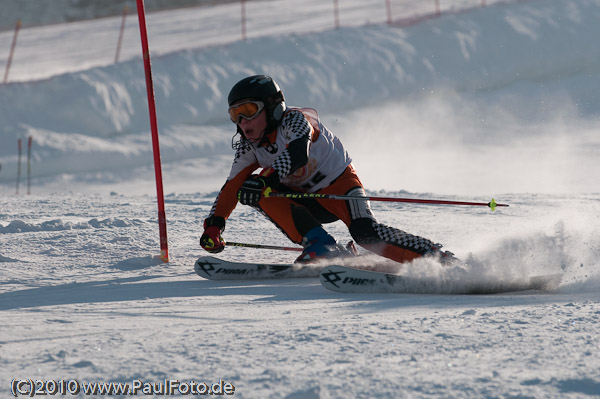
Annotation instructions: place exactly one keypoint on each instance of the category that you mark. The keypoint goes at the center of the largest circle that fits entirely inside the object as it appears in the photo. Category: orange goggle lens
(248, 110)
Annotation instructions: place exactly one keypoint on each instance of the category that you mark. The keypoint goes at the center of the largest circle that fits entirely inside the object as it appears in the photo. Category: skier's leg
(383, 240)
(302, 224)
(279, 212)
(295, 218)
(390, 242)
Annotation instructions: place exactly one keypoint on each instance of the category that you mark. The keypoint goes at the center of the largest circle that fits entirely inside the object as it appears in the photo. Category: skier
(297, 153)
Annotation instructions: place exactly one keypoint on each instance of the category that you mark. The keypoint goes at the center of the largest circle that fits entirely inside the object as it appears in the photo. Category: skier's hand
(211, 240)
(252, 190)
(258, 186)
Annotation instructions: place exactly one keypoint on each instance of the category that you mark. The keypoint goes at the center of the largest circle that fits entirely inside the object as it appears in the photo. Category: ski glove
(258, 186)
(211, 240)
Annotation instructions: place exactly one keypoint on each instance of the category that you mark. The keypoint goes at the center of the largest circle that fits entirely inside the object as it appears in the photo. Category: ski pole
(492, 204)
(261, 246)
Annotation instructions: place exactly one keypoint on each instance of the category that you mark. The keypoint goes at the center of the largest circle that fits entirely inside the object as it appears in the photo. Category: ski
(217, 269)
(347, 279)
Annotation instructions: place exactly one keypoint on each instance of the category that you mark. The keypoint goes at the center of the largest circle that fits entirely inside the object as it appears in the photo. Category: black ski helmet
(262, 88)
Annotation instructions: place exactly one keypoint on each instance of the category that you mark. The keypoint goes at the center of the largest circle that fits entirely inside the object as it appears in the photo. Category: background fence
(248, 19)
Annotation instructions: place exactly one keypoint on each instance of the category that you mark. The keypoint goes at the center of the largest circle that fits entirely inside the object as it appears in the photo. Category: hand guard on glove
(258, 186)
(211, 240)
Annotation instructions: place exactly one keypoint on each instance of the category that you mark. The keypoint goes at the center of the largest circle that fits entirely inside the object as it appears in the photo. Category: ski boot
(446, 258)
(318, 244)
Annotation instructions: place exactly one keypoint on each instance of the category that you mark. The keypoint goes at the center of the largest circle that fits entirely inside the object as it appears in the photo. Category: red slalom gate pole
(336, 14)
(388, 8)
(19, 149)
(243, 17)
(162, 219)
(438, 12)
(121, 32)
(12, 50)
(29, 144)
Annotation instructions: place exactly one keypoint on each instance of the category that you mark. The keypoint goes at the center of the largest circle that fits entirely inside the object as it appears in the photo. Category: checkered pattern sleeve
(297, 131)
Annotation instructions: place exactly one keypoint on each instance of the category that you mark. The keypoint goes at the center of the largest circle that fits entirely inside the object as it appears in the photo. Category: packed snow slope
(502, 98)
(82, 299)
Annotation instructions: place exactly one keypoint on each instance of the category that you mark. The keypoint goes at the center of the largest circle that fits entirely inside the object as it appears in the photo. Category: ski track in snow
(501, 101)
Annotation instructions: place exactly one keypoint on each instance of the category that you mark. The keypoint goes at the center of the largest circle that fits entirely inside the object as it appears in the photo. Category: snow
(498, 102)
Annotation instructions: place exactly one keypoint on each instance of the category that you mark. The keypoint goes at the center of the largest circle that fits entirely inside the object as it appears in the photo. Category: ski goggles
(247, 110)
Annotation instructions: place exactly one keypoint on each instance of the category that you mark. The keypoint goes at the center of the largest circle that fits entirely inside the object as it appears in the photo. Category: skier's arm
(227, 198)
(214, 224)
(243, 165)
(299, 131)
